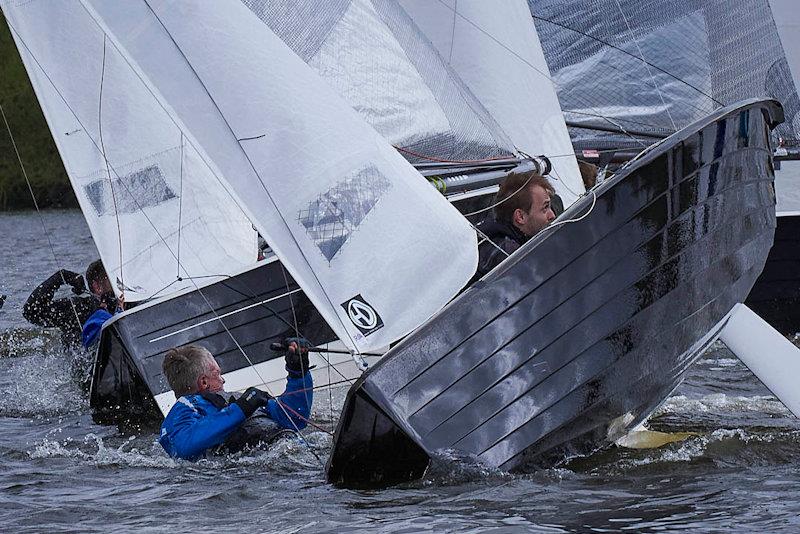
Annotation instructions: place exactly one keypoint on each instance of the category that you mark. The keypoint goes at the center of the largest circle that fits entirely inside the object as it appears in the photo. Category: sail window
(334, 215)
(132, 192)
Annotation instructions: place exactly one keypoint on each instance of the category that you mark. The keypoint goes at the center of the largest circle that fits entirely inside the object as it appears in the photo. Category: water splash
(722, 403)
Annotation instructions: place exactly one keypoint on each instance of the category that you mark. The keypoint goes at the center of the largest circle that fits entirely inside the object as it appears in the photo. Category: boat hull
(587, 328)
(776, 293)
(236, 319)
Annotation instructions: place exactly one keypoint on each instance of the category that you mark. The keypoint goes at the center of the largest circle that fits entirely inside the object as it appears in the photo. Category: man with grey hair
(202, 421)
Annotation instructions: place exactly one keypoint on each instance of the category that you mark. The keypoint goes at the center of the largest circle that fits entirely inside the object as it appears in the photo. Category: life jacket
(257, 431)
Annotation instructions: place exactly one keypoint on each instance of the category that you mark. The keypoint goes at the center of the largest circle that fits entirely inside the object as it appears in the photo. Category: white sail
(494, 48)
(155, 210)
(379, 62)
(375, 248)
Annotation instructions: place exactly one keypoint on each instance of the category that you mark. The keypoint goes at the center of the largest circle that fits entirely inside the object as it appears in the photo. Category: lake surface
(60, 472)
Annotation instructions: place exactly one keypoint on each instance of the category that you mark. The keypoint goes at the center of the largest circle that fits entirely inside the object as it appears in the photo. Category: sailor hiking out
(202, 421)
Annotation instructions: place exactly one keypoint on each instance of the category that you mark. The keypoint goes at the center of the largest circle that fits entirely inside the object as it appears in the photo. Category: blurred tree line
(39, 155)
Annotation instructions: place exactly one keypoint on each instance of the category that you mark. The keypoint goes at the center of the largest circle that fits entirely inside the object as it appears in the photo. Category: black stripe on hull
(127, 373)
(588, 322)
(776, 294)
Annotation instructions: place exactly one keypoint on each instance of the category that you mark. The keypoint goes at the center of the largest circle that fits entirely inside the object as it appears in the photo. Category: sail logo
(362, 315)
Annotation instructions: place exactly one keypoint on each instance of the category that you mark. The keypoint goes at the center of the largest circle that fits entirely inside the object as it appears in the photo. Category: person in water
(522, 209)
(69, 315)
(202, 421)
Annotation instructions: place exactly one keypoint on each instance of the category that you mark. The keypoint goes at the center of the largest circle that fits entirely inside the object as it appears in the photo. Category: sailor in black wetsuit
(522, 209)
(67, 314)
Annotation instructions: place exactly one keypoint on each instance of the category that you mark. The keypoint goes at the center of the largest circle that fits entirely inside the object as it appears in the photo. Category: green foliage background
(45, 171)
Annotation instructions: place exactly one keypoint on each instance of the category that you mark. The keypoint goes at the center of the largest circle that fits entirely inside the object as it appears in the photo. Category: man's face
(100, 287)
(211, 380)
(538, 216)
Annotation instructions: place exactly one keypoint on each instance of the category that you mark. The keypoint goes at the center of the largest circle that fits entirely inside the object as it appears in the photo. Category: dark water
(59, 472)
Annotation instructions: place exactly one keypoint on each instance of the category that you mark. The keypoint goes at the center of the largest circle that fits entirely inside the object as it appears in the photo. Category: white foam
(720, 402)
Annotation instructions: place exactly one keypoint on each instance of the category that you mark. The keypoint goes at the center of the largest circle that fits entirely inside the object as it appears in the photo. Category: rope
(180, 213)
(36, 205)
(647, 66)
(108, 165)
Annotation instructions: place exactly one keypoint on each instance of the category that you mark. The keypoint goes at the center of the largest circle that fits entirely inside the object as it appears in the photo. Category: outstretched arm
(40, 308)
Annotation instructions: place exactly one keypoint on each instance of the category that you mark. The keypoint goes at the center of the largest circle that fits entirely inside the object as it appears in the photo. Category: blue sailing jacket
(194, 424)
(92, 327)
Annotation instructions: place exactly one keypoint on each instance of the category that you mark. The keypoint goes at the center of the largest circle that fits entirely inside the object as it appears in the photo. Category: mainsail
(159, 216)
(374, 246)
(376, 58)
(630, 72)
(494, 48)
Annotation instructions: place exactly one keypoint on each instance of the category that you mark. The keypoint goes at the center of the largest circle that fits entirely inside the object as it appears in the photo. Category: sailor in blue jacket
(202, 421)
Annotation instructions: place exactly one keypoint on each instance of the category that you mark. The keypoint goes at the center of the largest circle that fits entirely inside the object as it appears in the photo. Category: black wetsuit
(41, 310)
(506, 236)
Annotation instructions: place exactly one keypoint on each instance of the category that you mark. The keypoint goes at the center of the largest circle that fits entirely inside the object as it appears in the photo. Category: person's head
(524, 201)
(97, 279)
(588, 174)
(192, 369)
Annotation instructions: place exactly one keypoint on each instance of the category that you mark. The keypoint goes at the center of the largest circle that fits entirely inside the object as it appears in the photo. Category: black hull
(588, 327)
(776, 294)
(244, 313)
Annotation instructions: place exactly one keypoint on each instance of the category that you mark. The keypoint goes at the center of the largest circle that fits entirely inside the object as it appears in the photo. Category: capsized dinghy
(585, 330)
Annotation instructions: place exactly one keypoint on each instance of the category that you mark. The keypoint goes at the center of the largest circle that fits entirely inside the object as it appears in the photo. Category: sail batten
(375, 248)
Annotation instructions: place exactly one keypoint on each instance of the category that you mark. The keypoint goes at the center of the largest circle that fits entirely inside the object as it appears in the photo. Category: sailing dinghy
(323, 200)
(580, 334)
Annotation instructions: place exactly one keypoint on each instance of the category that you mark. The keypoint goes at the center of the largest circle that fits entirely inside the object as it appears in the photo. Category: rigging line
(250, 361)
(567, 221)
(647, 66)
(108, 165)
(294, 317)
(251, 298)
(160, 104)
(654, 127)
(482, 210)
(606, 43)
(453, 33)
(529, 64)
(83, 127)
(180, 211)
(255, 172)
(36, 205)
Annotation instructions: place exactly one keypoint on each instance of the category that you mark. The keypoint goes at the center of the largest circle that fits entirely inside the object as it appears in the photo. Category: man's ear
(202, 383)
(518, 217)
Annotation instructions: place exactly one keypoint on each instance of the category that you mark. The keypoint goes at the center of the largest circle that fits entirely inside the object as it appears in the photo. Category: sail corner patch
(362, 315)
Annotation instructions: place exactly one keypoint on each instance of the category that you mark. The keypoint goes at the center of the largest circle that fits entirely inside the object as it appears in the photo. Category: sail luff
(349, 217)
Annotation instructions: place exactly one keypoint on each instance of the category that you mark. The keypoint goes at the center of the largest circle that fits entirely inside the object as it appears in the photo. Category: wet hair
(514, 194)
(588, 173)
(183, 366)
(95, 273)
